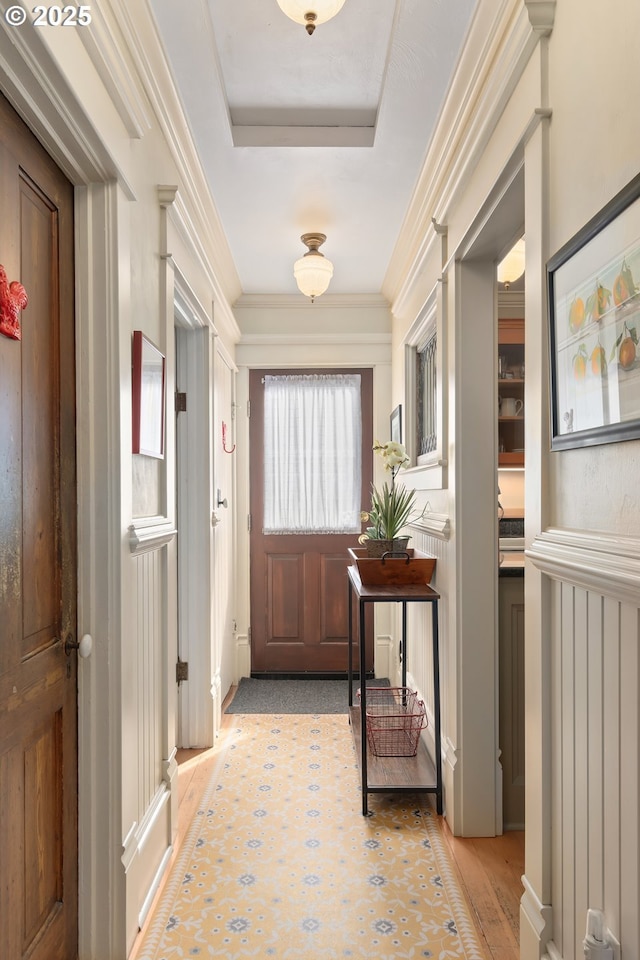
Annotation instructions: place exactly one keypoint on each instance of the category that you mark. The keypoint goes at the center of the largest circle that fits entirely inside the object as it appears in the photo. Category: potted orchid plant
(392, 506)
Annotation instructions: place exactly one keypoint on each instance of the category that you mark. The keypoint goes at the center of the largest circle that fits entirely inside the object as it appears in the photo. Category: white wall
(103, 104)
(538, 104)
(593, 522)
(596, 488)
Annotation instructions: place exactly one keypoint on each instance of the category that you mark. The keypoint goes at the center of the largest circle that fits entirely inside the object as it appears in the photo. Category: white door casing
(193, 485)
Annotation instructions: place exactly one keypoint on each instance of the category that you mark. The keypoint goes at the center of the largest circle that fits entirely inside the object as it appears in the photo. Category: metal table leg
(436, 704)
(363, 711)
(350, 636)
(404, 644)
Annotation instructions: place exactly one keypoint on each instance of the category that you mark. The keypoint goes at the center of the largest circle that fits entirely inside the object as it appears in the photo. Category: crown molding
(501, 39)
(38, 91)
(541, 15)
(104, 44)
(606, 564)
(195, 196)
(195, 239)
(301, 136)
(315, 339)
(510, 303)
(328, 301)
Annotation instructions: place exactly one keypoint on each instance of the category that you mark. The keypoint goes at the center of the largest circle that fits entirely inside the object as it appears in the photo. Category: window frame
(318, 382)
(429, 470)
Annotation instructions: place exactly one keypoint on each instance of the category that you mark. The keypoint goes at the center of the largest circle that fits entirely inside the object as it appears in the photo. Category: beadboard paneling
(419, 632)
(148, 653)
(595, 733)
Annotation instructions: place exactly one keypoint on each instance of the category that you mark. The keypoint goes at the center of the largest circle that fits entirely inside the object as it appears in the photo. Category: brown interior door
(299, 598)
(38, 701)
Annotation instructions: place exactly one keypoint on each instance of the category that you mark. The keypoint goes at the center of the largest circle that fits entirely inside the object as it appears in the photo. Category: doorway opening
(490, 371)
(511, 454)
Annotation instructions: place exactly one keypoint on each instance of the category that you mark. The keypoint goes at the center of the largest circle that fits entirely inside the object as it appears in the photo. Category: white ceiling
(300, 134)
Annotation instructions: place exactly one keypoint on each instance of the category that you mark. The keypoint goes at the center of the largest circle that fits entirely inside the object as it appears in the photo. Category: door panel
(41, 578)
(332, 581)
(38, 703)
(43, 782)
(285, 580)
(299, 599)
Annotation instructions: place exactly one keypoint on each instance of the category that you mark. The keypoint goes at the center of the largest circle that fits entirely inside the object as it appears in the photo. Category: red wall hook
(13, 299)
(224, 439)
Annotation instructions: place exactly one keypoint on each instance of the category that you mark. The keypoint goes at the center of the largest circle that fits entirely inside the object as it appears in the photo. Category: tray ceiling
(301, 133)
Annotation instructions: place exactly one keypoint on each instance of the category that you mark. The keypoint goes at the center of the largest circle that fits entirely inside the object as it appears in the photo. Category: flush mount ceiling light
(310, 13)
(512, 266)
(313, 271)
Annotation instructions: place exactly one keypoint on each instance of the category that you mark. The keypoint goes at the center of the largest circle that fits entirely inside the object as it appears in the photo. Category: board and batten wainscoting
(150, 812)
(431, 537)
(592, 667)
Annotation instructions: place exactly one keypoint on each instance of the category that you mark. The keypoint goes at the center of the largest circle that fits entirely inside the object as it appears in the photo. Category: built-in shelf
(511, 361)
(394, 773)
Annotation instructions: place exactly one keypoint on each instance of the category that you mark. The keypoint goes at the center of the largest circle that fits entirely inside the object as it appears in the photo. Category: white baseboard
(153, 889)
(535, 926)
(242, 657)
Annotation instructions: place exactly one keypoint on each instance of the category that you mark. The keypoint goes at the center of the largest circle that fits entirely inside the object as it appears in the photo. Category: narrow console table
(393, 774)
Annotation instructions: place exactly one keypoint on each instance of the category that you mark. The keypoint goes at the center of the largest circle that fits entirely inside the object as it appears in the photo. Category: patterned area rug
(280, 862)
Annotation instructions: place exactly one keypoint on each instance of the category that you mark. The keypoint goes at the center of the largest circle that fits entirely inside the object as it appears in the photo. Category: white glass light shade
(313, 274)
(512, 266)
(323, 9)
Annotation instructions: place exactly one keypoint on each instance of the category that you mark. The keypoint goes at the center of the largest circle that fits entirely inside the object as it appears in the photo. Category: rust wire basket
(394, 720)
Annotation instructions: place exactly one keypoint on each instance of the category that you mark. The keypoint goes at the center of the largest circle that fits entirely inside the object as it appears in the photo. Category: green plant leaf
(391, 509)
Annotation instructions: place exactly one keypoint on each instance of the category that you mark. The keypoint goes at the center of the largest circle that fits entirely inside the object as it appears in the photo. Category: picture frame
(395, 424)
(593, 285)
(148, 397)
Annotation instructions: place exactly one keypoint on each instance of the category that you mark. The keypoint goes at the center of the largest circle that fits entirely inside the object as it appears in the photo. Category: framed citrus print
(594, 320)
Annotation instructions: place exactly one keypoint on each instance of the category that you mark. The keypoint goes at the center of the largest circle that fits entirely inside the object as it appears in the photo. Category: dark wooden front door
(299, 598)
(38, 701)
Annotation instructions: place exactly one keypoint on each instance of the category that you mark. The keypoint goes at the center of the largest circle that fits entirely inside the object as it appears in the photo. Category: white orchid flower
(394, 454)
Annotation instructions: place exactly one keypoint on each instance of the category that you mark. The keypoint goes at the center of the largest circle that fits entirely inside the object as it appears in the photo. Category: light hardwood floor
(489, 868)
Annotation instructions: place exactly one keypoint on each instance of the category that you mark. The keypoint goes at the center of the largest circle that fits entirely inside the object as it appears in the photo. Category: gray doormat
(294, 696)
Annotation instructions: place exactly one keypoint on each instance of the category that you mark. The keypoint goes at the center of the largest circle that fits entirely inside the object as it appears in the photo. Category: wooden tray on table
(393, 570)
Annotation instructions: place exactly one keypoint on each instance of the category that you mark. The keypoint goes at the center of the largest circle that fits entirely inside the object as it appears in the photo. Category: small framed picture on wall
(396, 424)
(148, 397)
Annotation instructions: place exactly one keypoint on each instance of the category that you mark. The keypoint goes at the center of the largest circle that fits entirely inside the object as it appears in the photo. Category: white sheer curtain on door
(312, 460)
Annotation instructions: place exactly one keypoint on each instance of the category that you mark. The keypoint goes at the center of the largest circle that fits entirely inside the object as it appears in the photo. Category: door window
(313, 454)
